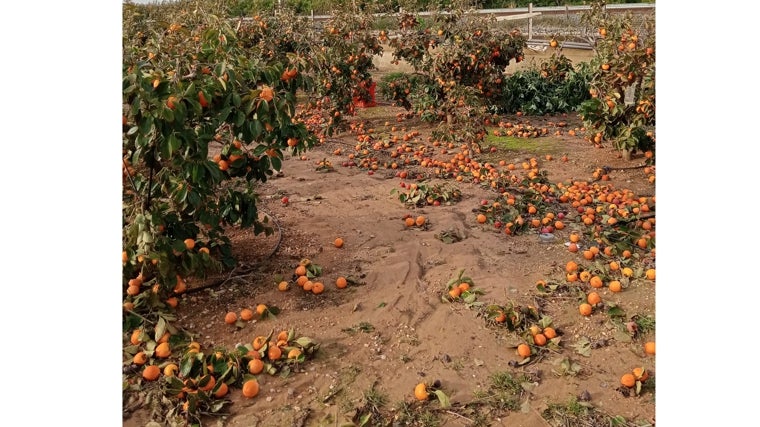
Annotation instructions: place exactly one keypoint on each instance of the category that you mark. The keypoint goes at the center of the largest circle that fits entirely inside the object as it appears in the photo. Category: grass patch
(504, 392)
(542, 145)
(408, 414)
(575, 413)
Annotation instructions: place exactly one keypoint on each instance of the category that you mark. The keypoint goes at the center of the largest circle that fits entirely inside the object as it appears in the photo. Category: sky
(61, 210)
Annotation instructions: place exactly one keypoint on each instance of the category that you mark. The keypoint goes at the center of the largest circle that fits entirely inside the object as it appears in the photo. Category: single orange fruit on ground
(135, 338)
(614, 266)
(549, 332)
(283, 286)
(189, 244)
(649, 348)
(259, 342)
(209, 385)
(274, 352)
(534, 330)
(318, 288)
(455, 292)
(133, 290)
(129, 306)
(627, 254)
(283, 336)
(572, 277)
(230, 318)
(571, 266)
(246, 314)
(151, 372)
(260, 309)
(523, 350)
(575, 238)
(194, 346)
(640, 374)
(627, 272)
(294, 353)
(221, 391)
(171, 370)
(162, 350)
(585, 276)
(593, 298)
(124, 257)
(300, 270)
(464, 286)
(420, 221)
(628, 380)
(481, 219)
(308, 285)
(615, 286)
(585, 309)
(650, 274)
(409, 222)
(255, 366)
(539, 340)
(338, 243)
(164, 338)
(572, 247)
(587, 254)
(596, 282)
(140, 358)
(250, 388)
(301, 280)
(172, 302)
(420, 391)
(341, 282)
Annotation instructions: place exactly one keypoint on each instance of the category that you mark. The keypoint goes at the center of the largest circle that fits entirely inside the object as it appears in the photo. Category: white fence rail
(539, 36)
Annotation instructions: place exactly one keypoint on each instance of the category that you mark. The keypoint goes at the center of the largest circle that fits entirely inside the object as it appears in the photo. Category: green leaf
(276, 163)
(583, 347)
(160, 328)
(173, 143)
(443, 399)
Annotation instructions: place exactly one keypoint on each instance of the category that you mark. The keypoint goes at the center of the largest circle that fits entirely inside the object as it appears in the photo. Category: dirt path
(392, 330)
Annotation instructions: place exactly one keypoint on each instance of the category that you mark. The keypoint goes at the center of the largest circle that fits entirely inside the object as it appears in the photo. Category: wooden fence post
(530, 21)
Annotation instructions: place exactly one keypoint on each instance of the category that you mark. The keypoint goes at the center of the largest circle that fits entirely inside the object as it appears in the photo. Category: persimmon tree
(624, 62)
(342, 62)
(459, 61)
(190, 86)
